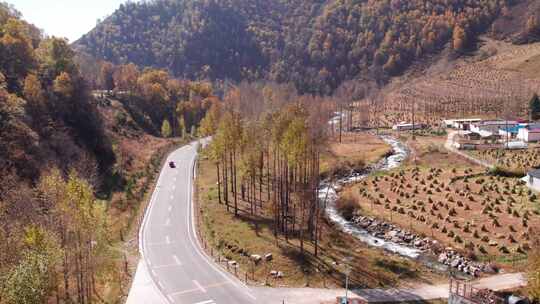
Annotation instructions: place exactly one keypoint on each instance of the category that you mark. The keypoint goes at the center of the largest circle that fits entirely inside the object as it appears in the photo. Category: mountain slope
(314, 44)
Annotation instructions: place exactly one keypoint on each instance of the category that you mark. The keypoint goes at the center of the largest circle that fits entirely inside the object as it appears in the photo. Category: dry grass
(486, 89)
(355, 151)
(254, 235)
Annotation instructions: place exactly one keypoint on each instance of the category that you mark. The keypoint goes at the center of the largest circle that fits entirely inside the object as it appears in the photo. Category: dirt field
(237, 237)
(499, 80)
(440, 195)
(518, 162)
(355, 151)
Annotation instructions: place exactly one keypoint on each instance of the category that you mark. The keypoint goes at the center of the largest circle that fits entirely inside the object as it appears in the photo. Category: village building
(493, 126)
(529, 134)
(533, 179)
(460, 124)
(408, 127)
(510, 132)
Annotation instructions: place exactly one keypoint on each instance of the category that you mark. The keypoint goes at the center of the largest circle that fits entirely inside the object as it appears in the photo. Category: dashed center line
(206, 302)
(170, 208)
(168, 222)
(165, 266)
(176, 260)
(167, 239)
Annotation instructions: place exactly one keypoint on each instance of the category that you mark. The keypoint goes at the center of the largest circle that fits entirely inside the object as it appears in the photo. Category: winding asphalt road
(173, 267)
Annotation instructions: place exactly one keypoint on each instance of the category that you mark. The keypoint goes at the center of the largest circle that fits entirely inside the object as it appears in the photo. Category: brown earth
(440, 195)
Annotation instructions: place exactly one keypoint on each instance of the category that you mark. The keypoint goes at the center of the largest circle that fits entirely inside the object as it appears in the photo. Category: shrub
(482, 249)
(347, 206)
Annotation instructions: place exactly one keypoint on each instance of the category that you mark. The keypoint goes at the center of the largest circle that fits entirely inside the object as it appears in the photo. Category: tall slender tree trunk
(219, 182)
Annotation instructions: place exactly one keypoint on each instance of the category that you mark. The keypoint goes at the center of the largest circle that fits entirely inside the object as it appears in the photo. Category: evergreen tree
(166, 129)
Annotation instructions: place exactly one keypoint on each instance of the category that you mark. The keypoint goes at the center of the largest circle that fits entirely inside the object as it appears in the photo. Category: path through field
(449, 145)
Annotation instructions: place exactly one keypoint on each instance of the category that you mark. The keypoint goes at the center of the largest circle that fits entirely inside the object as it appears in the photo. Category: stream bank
(387, 236)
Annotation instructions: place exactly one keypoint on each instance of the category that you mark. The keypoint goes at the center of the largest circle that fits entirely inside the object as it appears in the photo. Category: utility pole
(340, 121)
(347, 271)
(413, 125)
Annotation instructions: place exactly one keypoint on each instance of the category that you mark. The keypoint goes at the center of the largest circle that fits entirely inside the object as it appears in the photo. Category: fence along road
(173, 266)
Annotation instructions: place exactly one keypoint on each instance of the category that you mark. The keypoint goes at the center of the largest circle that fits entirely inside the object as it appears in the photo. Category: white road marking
(168, 222)
(172, 197)
(159, 244)
(206, 302)
(167, 239)
(176, 260)
(199, 286)
(165, 266)
(154, 272)
(170, 208)
(170, 298)
(174, 187)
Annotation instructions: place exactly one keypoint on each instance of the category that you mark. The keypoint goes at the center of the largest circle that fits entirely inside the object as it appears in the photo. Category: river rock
(268, 257)
(455, 263)
(256, 258)
(442, 258)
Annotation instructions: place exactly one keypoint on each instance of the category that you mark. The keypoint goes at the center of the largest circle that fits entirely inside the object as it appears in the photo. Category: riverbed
(415, 247)
(328, 194)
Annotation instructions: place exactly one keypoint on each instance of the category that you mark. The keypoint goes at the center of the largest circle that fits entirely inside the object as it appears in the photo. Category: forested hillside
(315, 44)
(46, 115)
(75, 165)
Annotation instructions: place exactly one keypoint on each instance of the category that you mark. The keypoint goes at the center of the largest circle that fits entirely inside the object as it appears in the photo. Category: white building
(461, 124)
(408, 127)
(533, 179)
(493, 126)
(529, 134)
(516, 145)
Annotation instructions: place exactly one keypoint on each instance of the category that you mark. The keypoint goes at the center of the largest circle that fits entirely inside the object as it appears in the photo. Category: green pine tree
(166, 130)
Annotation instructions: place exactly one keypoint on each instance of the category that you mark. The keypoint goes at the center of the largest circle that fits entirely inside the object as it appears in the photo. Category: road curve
(173, 267)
